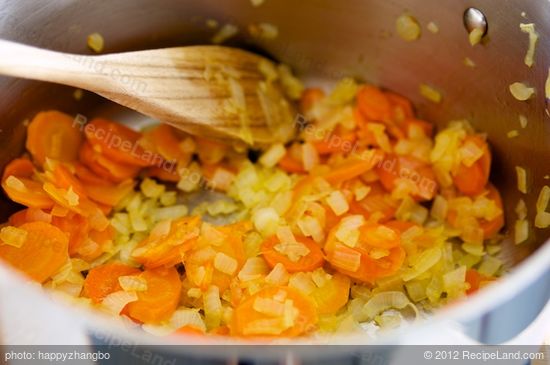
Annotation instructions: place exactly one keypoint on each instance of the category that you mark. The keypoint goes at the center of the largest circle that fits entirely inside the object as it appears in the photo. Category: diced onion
(533, 38)
(521, 179)
(521, 92)
(187, 317)
(311, 227)
(303, 282)
(226, 31)
(542, 220)
(523, 121)
(225, 263)
(151, 189)
(348, 229)
(423, 263)
(253, 268)
(13, 236)
(268, 306)
(278, 275)
(432, 27)
(387, 300)
(489, 266)
(115, 302)
(430, 93)
(521, 209)
(407, 27)
(475, 35)
(521, 231)
(512, 134)
(96, 42)
(337, 202)
(266, 220)
(132, 283)
(273, 155)
(310, 157)
(212, 307)
(543, 198)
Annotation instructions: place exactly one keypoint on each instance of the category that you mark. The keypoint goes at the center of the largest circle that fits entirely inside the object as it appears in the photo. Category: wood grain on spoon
(212, 91)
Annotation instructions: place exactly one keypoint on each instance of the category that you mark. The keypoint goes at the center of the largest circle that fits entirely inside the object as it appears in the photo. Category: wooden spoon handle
(28, 62)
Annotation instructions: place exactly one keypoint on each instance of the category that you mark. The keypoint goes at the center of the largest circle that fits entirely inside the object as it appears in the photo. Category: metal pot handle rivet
(474, 18)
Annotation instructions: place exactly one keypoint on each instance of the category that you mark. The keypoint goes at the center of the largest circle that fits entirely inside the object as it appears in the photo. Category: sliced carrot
(376, 201)
(166, 143)
(98, 243)
(42, 254)
(335, 143)
(247, 321)
(167, 248)
(210, 151)
(20, 167)
(352, 168)
(63, 178)
(233, 246)
(290, 165)
(333, 295)
(219, 331)
(368, 269)
(492, 227)
(475, 279)
(105, 167)
(76, 227)
(402, 107)
(54, 135)
(310, 97)
(27, 192)
(18, 218)
(190, 331)
(421, 174)
(164, 174)
(161, 298)
(379, 235)
(471, 180)
(309, 262)
(200, 267)
(109, 195)
(410, 123)
(400, 226)
(119, 143)
(103, 280)
(373, 104)
(87, 176)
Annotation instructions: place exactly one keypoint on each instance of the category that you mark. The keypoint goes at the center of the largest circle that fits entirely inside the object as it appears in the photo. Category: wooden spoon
(211, 91)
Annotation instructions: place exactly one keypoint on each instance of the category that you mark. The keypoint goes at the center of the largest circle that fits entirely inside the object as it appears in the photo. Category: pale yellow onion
(387, 300)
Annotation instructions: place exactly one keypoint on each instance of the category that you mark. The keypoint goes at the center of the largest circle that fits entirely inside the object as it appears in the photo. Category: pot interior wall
(323, 41)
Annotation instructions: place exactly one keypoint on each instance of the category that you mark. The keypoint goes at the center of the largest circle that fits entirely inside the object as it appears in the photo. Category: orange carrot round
(309, 262)
(245, 317)
(373, 103)
(43, 252)
(310, 97)
(54, 135)
(290, 165)
(471, 180)
(27, 192)
(358, 263)
(353, 168)
(161, 298)
(103, 280)
(20, 167)
(118, 142)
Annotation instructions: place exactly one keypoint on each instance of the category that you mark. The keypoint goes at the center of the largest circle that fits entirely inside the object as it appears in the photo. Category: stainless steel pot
(323, 41)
